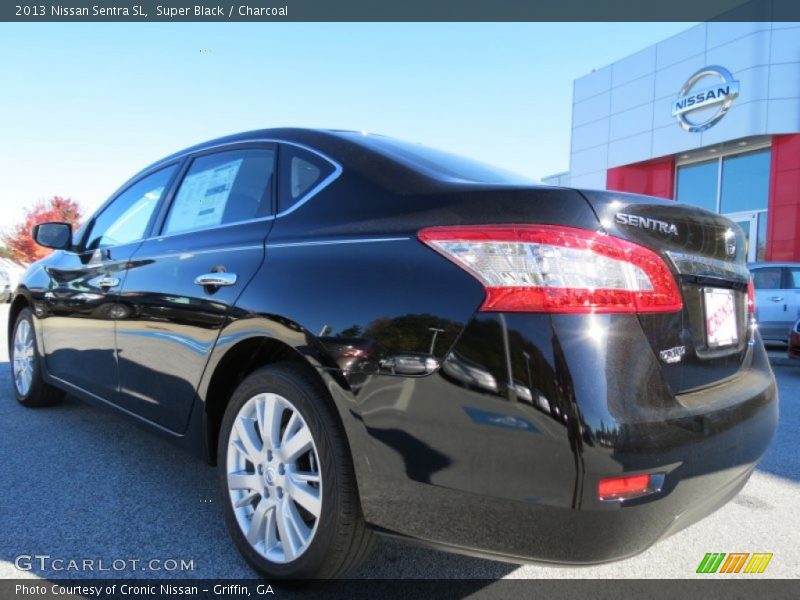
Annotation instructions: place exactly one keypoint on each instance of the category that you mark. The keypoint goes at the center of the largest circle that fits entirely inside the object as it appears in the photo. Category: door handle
(216, 279)
(107, 282)
(776, 298)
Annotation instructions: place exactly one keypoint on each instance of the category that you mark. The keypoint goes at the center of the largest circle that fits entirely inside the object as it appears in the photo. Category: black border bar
(745, 587)
(397, 10)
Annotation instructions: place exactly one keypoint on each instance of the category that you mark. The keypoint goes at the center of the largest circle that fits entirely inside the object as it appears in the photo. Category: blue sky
(84, 106)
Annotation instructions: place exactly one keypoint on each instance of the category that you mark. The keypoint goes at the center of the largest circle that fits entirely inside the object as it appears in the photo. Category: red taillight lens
(620, 488)
(547, 268)
(751, 297)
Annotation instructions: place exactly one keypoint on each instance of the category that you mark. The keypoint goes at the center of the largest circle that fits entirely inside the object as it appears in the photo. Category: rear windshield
(437, 163)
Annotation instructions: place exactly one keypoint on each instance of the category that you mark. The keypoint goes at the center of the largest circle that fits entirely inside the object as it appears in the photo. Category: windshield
(437, 163)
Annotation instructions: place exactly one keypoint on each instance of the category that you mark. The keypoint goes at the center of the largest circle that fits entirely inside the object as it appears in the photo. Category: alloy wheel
(274, 477)
(23, 357)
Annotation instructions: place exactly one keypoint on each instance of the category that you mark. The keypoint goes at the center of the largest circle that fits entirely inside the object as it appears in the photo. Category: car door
(771, 308)
(183, 281)
(82, 296)
(792, 287)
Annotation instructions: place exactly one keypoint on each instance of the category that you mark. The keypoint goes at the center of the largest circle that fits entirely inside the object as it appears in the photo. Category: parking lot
(79, 482)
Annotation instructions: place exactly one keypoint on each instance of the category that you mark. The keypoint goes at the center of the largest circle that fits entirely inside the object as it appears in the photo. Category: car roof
(367, 154)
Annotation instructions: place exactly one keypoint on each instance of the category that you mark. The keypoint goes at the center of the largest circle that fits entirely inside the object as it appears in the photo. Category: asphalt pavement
(79, 482)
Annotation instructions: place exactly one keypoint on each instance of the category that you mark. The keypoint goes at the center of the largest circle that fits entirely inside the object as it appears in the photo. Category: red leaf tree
(21, 246)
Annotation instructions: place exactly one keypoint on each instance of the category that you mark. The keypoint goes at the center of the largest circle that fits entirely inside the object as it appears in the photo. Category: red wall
(783, 221)
(654, 178)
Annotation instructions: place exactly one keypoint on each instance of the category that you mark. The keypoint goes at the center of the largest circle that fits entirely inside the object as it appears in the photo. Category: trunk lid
(707, 253)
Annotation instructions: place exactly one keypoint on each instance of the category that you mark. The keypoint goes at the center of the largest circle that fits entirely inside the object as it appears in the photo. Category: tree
(18, 241)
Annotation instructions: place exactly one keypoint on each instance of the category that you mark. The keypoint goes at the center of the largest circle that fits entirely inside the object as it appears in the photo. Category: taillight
(751, 297)
(547, 268)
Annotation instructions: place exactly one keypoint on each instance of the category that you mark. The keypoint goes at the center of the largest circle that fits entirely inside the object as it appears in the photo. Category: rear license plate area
(720, 315)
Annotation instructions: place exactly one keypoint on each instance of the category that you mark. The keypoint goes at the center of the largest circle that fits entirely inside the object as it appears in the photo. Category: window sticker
(202, 197)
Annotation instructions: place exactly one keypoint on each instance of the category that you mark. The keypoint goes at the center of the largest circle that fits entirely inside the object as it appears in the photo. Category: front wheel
(26, 372)
(289, 489)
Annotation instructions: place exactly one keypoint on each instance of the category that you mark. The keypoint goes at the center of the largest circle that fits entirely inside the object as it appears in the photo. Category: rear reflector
(622, 488)
(751, 297)
(547, 268)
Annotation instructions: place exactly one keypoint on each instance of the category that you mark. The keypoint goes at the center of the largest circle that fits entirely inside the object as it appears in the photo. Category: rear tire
(287, 479)
(26, 370)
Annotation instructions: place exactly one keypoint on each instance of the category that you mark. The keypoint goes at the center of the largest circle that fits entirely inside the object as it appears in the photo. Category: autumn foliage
(21, 246)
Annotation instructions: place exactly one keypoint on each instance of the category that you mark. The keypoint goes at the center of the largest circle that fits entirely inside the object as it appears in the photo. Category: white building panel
(682, 46)
(592, 84)
(632, 94)
(633, 67)
(591, 109)
(632, 99)
(631, 122)
(590, 135)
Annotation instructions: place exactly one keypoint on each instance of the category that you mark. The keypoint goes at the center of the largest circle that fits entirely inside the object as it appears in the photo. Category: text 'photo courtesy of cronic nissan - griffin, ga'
(370, 337)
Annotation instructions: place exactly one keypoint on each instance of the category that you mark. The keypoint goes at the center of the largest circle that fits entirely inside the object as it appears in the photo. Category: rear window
(300, 172)
(439, 164)
(768, 278)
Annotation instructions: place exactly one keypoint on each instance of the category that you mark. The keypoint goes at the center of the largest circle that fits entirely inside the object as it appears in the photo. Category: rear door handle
(776, 298)
(107, 282)
(216, 279)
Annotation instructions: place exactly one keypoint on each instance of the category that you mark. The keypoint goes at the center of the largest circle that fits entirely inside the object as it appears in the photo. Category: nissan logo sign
(702, 100)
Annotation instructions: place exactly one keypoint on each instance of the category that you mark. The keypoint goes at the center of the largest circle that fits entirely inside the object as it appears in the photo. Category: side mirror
(53, 235)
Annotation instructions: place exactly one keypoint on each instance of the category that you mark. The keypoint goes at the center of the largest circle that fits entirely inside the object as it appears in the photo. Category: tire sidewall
(283, 381)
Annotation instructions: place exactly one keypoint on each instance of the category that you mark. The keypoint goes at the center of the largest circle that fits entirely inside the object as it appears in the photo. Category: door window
(768, 278)
(227, 187)
(794, 278)
(126, 219)
(300, 172)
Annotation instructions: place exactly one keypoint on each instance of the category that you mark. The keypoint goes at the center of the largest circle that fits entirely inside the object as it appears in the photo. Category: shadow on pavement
(80, 482)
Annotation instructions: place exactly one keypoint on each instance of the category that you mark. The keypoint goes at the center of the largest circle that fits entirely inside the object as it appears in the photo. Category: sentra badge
(647, 223)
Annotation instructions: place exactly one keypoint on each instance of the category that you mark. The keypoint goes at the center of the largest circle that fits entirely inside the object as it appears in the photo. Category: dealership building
(710, 117)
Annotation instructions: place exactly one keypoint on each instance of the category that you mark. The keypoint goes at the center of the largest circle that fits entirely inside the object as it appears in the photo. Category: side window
(794, 278)
(223, 188)
(125, 220)
(300, 172)
(767, 278)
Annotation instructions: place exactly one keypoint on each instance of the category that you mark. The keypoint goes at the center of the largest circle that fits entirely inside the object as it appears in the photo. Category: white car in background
(777, 299)
(5, 287)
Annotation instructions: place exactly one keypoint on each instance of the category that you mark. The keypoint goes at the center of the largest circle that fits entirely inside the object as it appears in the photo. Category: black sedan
(368, 336)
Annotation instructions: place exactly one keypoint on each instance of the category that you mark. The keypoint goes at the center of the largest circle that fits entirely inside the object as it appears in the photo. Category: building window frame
(718, 156)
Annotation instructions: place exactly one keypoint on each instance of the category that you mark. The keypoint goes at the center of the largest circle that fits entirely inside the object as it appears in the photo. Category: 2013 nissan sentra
(368, 336)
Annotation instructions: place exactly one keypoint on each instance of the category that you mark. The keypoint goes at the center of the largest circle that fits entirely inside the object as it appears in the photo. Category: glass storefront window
(697, 184)
(761, 243)
(745, 182)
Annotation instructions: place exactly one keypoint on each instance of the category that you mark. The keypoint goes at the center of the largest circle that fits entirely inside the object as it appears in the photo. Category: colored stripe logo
(734, 562)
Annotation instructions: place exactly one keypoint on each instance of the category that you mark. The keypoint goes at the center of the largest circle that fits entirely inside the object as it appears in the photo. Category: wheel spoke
(268, 413)
(246, 431)
(299, 527)
(305, 476)
(258, 523)
(300, 442)
(246, 499)
(282, 522)
(242, 480)
(306, 496)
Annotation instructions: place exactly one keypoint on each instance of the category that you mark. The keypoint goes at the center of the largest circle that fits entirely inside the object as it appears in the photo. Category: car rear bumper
(461, 459)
